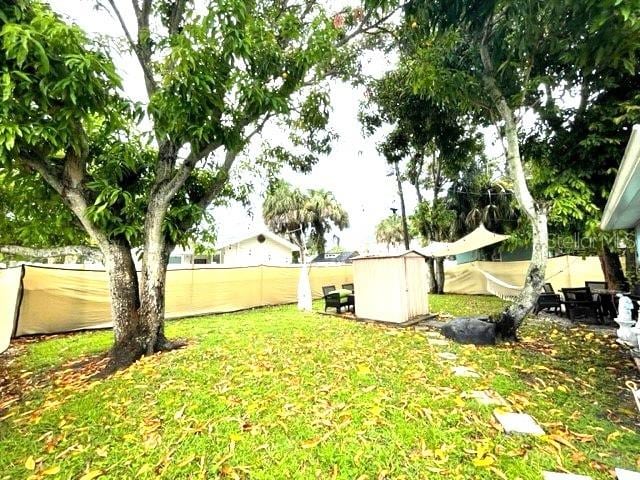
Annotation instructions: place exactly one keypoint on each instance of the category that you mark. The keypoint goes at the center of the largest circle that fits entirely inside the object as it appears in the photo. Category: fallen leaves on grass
(91, 475)
(325, 386)
(30, 463)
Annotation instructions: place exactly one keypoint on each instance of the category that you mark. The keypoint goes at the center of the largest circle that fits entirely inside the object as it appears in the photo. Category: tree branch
(143, 58)
(45, 172)
(365, 27)
(181, 176)
(136, 7)
(73, 197)
(229, 159)
(218, 186)
(514, 160)
(89, 252)
(177, 12)
(584, 100)
(259, 127)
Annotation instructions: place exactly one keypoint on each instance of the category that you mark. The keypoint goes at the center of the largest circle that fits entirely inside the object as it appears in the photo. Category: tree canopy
(214, 76)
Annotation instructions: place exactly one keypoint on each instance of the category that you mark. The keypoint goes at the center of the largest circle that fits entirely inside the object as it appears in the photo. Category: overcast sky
(354, 171)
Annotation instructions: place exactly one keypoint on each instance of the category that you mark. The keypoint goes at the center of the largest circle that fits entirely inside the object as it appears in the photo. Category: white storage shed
(391, 288)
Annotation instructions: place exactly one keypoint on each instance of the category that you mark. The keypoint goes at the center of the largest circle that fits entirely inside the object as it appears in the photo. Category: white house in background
(262, 247)
(623, 206)
(181, 256)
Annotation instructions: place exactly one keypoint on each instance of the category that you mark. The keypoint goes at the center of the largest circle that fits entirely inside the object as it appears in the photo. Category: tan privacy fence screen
(52, 300)
(562, 272)
(61, 300)
(9, 299)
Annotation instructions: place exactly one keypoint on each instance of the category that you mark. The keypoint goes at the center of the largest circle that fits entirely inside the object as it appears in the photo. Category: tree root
(506, 330)
(126, 355)
(163, 344)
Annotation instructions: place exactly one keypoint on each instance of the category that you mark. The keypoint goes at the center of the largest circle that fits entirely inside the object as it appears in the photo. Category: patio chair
(348, 286)
(607, 300)
(593, 285)
(548, 300)
(579, 301)
(351, 299)
(332, 298)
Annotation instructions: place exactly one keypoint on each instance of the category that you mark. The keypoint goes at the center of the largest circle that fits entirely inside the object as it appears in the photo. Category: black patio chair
(593, 285)
(607, 300)
(548, 300)
(332, 298)
(579, 302)
(351, 299)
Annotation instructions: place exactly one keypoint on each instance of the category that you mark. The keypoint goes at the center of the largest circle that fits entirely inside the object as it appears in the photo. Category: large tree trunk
(433, 284)
(405, 227)
(439, 275)
(612, 269)
(514, 315)
(131, 334)
(137, 308)
(153, 278)
(152, 297)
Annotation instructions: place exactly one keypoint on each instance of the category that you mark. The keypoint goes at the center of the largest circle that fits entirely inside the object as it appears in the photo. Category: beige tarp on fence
(200, 291)
(9, 299)
(62, 300)
(562, 272)
(58, 300)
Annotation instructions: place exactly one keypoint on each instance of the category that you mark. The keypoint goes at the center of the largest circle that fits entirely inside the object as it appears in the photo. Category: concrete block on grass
(518, 423)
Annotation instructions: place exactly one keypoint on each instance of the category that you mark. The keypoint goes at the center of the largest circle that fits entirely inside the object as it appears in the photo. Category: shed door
(417, 286)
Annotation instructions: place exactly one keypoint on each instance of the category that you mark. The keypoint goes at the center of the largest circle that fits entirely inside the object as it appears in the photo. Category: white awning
(480, 237)
(623, 206)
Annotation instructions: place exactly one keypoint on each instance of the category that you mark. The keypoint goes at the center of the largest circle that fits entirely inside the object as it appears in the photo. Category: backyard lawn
(273, 393)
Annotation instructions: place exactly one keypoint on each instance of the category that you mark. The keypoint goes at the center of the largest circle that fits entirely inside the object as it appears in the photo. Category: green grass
(465, 305)
(273, 393)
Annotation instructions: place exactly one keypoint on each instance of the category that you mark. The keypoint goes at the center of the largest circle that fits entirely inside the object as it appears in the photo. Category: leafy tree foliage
(41, 221)
(214, 77)
(478, 197)
(491, 58)
(284, 213)
(325, 213)
(577, 149)
(433, 140)
(390, 231)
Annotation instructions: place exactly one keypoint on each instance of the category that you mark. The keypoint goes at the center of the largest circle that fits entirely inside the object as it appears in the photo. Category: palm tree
(289, 211)
(324, 213)
(479, 199)
(389, 231)
(284, 212)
